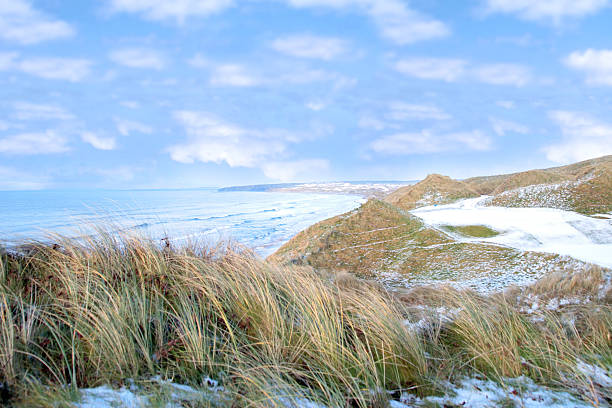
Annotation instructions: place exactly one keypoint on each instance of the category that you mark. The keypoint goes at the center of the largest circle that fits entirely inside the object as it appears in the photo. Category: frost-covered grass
(122, 317)
(590, 194)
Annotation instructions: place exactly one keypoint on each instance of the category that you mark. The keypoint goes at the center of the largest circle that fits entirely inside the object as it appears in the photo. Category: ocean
(262, 221)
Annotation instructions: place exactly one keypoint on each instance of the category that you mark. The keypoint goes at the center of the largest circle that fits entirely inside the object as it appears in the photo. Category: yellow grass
(82, 314)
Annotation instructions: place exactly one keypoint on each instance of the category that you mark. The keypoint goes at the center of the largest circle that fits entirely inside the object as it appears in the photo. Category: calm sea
(262, 221)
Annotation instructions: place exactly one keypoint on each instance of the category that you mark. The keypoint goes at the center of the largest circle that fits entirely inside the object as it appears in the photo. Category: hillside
(584, 187)
(590, 194)
(435, 189)
(384, 243)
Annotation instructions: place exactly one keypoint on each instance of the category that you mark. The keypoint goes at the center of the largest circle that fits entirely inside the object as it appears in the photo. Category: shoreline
(374, 189)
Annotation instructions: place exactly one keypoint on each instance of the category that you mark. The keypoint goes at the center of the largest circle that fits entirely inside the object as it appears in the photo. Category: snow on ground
(596, 374)
(175, 395)
(522, 270)
(541, 195)
(533, 229)
(518, 392)
(469, 392)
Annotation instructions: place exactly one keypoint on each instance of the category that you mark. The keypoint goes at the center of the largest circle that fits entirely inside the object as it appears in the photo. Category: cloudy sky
(190, 93)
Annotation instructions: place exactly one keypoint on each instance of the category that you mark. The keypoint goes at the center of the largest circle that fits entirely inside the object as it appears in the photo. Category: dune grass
(119, 308)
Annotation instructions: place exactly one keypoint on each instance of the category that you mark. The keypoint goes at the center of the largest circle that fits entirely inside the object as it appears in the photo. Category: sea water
(262, 221)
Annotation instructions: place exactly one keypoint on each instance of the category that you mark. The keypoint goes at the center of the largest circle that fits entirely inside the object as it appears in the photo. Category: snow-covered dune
(534, 229)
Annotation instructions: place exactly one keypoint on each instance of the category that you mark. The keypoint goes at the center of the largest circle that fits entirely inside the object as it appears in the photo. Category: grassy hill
(584, 187)
(382, 242)
(435, 189)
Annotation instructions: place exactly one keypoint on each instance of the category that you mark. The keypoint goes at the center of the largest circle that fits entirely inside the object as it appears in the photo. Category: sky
(195, 93)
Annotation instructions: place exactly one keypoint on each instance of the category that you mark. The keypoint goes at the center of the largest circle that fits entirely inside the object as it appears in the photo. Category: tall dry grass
(113, 308)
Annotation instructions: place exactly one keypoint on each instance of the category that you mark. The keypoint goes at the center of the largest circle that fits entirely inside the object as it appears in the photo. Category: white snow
(596, 374)
(105, 396)
(535, 305)
(533, 229)
(299, 402)
(476, 393)
(133, 397)
(440, 314)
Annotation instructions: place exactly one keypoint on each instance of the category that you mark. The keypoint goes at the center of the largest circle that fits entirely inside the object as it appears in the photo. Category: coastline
(365, 189)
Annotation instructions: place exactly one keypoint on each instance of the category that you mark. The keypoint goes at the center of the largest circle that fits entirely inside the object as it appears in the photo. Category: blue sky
(190, 93)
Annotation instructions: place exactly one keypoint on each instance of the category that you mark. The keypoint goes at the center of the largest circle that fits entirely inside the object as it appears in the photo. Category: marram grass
(119, 308)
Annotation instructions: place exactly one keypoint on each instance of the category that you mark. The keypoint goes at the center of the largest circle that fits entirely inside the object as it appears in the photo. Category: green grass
(83, 314)
(476, 231)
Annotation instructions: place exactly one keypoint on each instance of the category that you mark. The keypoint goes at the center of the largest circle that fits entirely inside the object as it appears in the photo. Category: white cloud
(213, 140)
(7, 60)
(501, 127)
(503, 74)
(3, 125)
(33, 111)
(126, 127)
(233, 75)
(402, 25)
(309, 169)
(316, 105)
(596, 64)
(12, 179)
(394, 19)
(551, 10)
(406, 111)
(21, 23)
(69, 69)
(401, 112)
(310, 46)
(368, 122)
(138, 58)
(34, 143)
(130, 104)
(506, 104)
(178, 10)
(307, 76)
(584, 137)
(115, 174)
(199, 61)
(99, 142)
(452, 70)
(445, 69)
(428, 141)
(241, 75)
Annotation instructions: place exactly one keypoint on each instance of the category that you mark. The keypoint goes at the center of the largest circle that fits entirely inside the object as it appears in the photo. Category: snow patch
(477, 393)
(133, 396)
(595, 373)
(530, 229)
